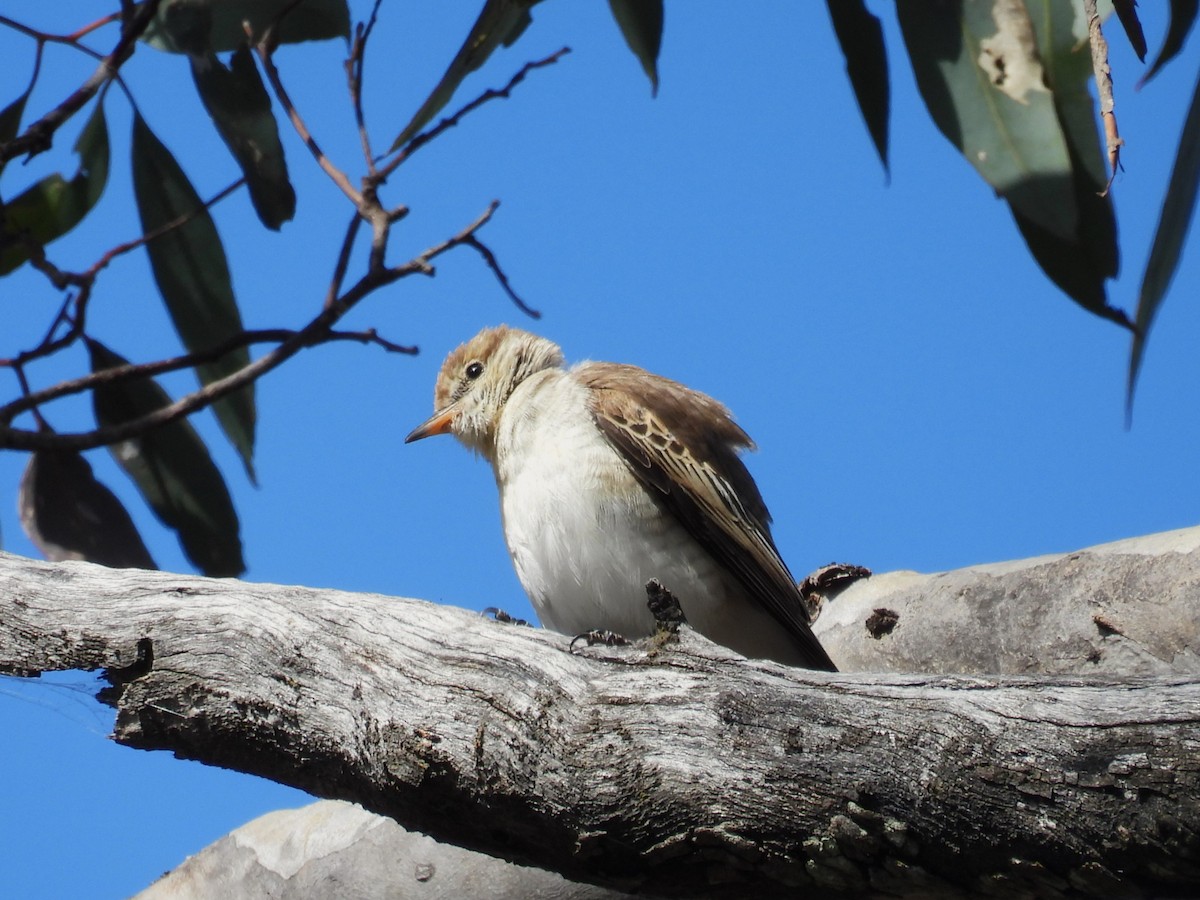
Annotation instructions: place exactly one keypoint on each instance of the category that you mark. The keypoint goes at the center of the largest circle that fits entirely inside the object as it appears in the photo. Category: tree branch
(265, 50)
(1104, 90)
(39, 135)
(451, 121)
(310, 335)
(679, 769)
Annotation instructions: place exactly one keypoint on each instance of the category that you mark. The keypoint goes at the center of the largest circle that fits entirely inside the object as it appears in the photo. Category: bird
(610, 476)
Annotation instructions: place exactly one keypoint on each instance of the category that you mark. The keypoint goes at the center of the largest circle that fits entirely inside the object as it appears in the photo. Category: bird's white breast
(583, 534)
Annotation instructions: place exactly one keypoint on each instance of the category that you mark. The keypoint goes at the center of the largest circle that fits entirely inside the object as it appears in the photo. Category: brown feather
(684, 445)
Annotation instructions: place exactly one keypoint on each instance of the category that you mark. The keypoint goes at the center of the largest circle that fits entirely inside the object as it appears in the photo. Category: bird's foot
(600, 636)
(827, 582)
(501, 616)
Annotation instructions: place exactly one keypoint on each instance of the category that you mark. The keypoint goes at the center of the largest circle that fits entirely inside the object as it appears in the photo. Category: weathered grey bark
(682, 770)
(333, 850)
(1131, 607)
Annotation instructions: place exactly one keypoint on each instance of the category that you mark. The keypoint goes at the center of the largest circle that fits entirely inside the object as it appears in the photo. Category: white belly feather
(583, 535)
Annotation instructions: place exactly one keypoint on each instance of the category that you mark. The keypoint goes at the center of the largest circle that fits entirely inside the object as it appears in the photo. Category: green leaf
(641, 23)
(214, 26)
(1173, 224)
(10, 120)
(193, 277)
(1007, 83)
(68, 514)
(1082, 264)
(1183, 16)
(172, 469)
(53, 206)
(861, 38)
(500, 22)
(981, 80)
(241, 109)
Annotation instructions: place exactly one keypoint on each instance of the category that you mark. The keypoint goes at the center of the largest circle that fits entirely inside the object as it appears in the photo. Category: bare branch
(264, 49)
(86, 280)
(186, 361)
(71, 40)
(39, 135)
(310, 335)
(676, 768)
(177, 222)
(354, 76)
(1104, 90)
(451, 121)
(343, 260)
(492, 263)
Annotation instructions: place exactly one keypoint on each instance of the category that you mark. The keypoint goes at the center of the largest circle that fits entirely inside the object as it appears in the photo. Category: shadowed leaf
(641, 22)
(193, 277)
(241, 110)
(68, 514)
(1127, 15)
(861, 38)
(1183, 16)
(981, 80)
(214, 26)
(172, 469)
(1006, 82)
(1080, 265)
(500, 23)
(53, 206)
(10, 121)
(1173, 224)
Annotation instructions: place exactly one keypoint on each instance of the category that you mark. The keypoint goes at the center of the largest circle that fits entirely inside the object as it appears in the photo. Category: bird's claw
(501, 616)
(599, 636)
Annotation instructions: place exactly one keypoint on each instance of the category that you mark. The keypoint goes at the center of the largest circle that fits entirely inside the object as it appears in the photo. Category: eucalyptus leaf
(53, 206)
(10, 121)
(1127, 15)
(1173, 224)
(641, 22)
(982, 80)
(861, 38)
(240, 108)
(68, 514)
(215, 26)
(1007, 83)
(1183, 17)
(172, 469)
(192, 274)
(1062, 44)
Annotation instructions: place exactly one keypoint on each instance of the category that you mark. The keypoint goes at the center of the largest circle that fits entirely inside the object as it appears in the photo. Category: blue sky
(922, 396)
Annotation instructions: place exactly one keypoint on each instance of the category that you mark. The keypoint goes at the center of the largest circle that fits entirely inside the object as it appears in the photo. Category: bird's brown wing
(684, 445)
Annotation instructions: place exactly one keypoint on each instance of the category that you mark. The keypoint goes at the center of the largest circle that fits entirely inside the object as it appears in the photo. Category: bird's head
(477, 379)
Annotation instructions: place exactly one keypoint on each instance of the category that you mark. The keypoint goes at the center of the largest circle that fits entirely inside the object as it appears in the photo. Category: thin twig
(177, 222)
(86, 280)
(343, 260)
(51, 344)
(264, 50)
(354, 76)
(311, 334)
(186, 361)
(40, 135)
(492, 263)
(451, 121)
(71, 40)
(1104, 90)
(42, 424)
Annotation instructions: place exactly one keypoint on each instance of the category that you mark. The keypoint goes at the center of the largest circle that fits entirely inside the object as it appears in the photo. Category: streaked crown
(478, 377)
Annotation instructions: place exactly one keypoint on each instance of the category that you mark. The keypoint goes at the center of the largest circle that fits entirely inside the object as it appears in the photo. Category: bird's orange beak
(438, 423)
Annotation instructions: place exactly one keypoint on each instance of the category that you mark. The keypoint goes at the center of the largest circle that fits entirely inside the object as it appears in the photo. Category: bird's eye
(474, 369)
